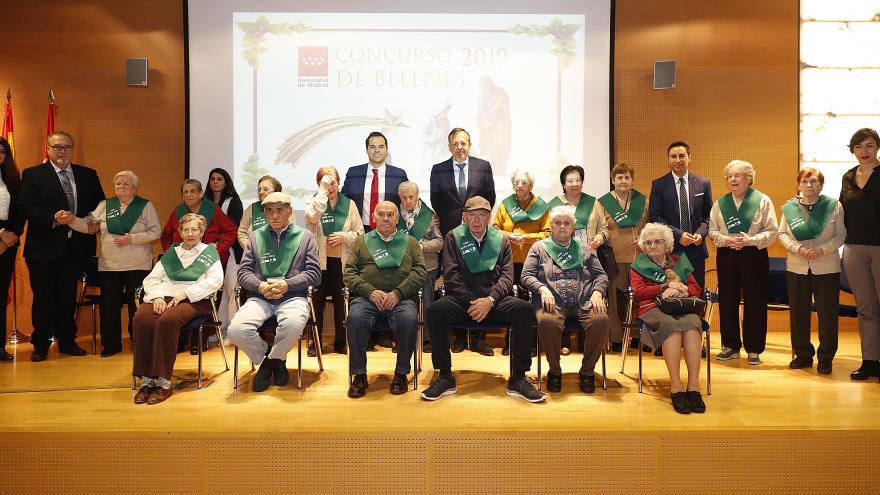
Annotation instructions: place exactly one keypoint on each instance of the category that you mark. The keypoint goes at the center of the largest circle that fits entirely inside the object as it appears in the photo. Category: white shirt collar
(465, 162)
(381, 169)
(685, 177)
(57, 169)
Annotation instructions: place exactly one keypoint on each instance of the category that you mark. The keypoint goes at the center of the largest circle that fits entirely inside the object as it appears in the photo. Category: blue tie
(462, 187)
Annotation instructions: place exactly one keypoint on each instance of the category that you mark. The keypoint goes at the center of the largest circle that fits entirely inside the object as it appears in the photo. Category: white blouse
(158, 284)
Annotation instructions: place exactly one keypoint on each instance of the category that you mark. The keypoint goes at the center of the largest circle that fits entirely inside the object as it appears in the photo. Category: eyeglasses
(60, 147)
(190, 230)
(653, 242)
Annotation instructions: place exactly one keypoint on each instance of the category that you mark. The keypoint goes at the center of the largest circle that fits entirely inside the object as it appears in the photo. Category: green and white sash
(206, 209)
(565, 258)
(276, 262)
(477, 261)
(647, 268)
(739, 219)
(625, 218)
(121, 223)
(387, 254)
(581, 213)
(421, 223)
(333, 220)
(518, 215)
(175, 270)
(809, 228)
(258, 216)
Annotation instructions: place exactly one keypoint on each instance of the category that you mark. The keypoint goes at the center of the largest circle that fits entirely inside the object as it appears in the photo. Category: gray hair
(134, 178)
(528, 175)
(194, 182)
(657, 228)
(742, 165)
(193, 217)
(408, 186)
(562, 211)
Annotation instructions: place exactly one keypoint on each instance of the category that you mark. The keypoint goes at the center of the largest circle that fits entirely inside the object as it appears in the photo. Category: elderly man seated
(279, 263)
(384, 273)
(478, 270)
(567, 281)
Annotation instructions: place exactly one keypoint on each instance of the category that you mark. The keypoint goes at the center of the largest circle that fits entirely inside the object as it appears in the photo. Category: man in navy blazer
(359, 179)
(666, 207)
(477, 181)
(52, 195)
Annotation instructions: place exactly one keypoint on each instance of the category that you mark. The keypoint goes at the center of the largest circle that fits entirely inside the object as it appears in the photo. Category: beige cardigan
(830, 240)
(315, 207)
(138, 255)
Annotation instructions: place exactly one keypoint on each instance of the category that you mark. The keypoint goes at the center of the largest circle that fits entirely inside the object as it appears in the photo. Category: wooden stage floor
(768, 429)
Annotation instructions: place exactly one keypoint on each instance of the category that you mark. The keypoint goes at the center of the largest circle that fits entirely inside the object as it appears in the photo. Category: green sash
(806, 229)
(420, 224)
(390, 254)
(581, 213)
(565, 258)
(276, 263)
(476, 261)
(175, 270)
(333, 220)
(121, 223)
(258, 216)
(518, 215)
(625, 218)
(739, 220)
(206, 209)
(647, 268)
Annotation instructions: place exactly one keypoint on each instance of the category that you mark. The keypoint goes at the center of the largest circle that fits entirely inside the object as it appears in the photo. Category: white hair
(657, 228)
(134, 178)
(562, 211)
(408, 186)
(522, 172)
(743, 166)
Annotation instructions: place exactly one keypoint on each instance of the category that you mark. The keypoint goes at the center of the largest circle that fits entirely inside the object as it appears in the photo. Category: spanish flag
(7, 123)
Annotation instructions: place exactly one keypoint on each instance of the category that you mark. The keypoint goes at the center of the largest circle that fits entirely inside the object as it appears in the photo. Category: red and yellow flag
(50, 124)
(7, 123)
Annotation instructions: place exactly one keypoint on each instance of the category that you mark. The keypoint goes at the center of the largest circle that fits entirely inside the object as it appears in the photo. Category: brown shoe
(159, 394)
(143, 394)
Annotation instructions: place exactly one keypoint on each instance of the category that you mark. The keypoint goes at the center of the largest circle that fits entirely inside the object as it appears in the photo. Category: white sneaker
(754, 358)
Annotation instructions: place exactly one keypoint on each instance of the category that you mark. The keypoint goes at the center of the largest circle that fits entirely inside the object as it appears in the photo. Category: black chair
(383, 326)
(267, 333)
(198, 325)
(636, 323)
(89, 279)
(845, 310)
(777, 284)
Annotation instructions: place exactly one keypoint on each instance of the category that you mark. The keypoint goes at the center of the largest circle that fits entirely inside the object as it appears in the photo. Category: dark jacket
(444, 190)
(305, 269)
(465, 286)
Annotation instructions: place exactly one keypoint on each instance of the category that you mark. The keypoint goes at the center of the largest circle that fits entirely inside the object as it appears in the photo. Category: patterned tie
(374, 196)
(683, 206)
(462, 187)
(68, 190)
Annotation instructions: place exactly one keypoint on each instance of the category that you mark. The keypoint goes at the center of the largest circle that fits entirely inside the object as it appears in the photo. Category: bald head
(386, 215)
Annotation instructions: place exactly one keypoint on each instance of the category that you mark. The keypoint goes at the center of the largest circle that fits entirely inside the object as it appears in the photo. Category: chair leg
(640, 365)
(299, 363)
(316, 336)
(538, 344)
(222, 345)
(94, 332)
(708, 367)
(235, 369)
(199, 331)
(417, 356)
(133, 382)
(624, 347)
(604, 379)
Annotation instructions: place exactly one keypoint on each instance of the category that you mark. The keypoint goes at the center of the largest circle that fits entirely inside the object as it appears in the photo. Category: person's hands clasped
(7, 240)
(177, 299)
(479, 309)
(123, 240)
(686, 239)
(335, 239)
(64, 217)
(516, 239)
(274, 289)
(159, 306)
(597, 303)
(810, 252)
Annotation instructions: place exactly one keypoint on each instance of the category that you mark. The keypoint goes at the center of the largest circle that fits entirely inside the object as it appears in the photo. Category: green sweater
(362, 276)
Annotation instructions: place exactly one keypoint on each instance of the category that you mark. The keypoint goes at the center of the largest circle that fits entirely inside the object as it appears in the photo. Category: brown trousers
(155, 336)
(551, 325)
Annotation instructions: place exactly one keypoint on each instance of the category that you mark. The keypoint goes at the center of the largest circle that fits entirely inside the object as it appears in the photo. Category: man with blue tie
(373, 182)
(682, 201)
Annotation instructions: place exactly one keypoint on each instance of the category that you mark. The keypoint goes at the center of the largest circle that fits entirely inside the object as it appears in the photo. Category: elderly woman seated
(175, 292)
(567, 281)
(657, 273)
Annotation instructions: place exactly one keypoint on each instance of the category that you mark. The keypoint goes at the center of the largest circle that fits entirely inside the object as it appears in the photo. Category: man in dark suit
(682, 201)
(460, 177)
(373, 182)
(52, 195)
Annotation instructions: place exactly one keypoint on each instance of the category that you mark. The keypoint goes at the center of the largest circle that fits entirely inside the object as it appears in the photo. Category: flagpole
(15, 336)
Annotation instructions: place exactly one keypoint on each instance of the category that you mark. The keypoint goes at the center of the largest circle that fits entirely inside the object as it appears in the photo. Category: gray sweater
(305, 269)
(539, 265)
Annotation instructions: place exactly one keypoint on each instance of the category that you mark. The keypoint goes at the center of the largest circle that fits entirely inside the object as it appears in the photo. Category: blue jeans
(363, 316)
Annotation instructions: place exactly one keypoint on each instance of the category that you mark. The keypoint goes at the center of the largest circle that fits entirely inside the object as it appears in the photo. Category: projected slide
(309, 87)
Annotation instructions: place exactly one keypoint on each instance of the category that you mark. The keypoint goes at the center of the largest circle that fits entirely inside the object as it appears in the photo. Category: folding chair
(89, 279)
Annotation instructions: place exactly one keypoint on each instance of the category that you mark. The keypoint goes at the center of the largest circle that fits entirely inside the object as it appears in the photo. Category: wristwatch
(492, 300)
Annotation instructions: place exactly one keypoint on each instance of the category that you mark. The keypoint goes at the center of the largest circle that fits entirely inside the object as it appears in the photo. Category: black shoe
(312, 351)
(442, 386)
(587, 383)
(280, 375)
(695, 399)
(616, 347)
(263, 376)
(39, 355)
(72, 350)
(382, 340)
(358, 387)
(107, 352)
(399, 384)
(867, 370)
(658, 351)
(5, 356)
(458, 345)
(339, 347)
(554, 383)
(680, 403)
(480, 346)
(801, 362)
(521, 388)
(426, 347)
(634, 343)
(824, 367)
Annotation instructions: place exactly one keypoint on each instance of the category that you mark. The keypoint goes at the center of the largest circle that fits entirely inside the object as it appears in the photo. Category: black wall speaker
(136, 72)
(664, 74)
